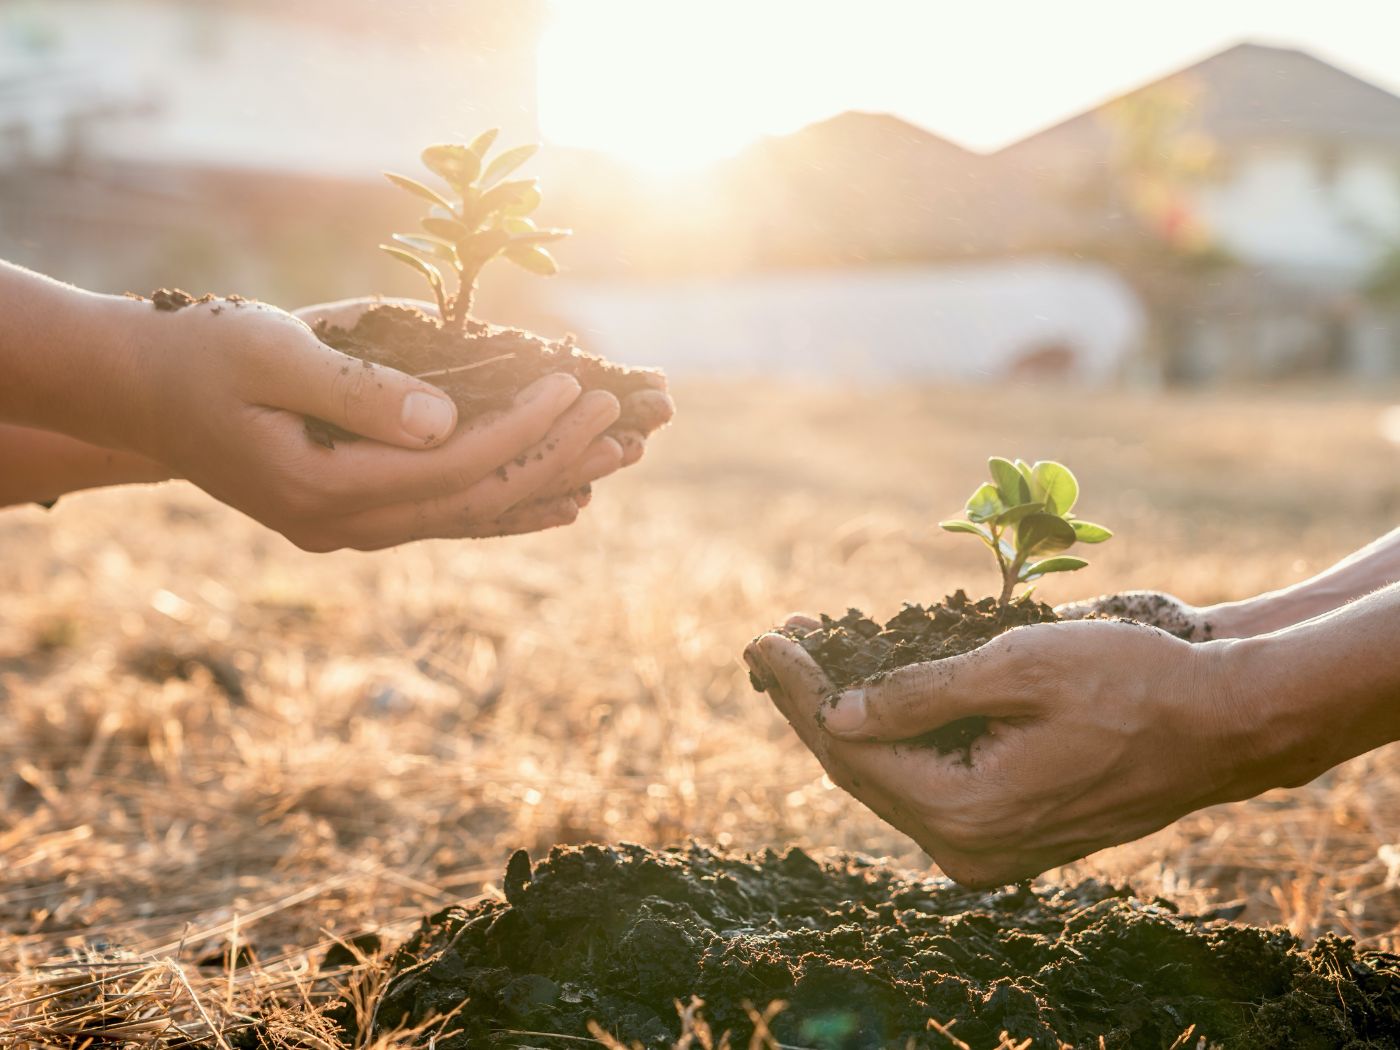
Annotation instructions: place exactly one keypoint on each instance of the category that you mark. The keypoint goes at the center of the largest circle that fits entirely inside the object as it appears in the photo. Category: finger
(407, 528)
(602, 457)
(801, 622)
(634, 445)
(920, 698)
(797, 685)
(646, 410)
(360, 475)
(462, 514)
(532, 517)
(299, 373)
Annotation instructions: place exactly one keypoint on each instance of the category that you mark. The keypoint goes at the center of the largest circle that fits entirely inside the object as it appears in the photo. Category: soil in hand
(857, 649)
(481, 368)
(865, 957)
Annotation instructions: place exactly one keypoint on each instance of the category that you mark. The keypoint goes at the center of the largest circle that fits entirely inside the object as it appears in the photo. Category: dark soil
(482, 368)
(865, 957)
(857, 649)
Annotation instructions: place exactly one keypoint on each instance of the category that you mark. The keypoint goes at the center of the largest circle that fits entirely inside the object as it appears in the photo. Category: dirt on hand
(865, 957)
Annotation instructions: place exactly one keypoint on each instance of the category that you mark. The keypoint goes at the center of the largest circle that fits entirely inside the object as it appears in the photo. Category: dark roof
(1247, 93)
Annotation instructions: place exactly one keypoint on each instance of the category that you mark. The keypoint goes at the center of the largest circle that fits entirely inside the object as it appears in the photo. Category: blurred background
(1170, 237)
(770, 188)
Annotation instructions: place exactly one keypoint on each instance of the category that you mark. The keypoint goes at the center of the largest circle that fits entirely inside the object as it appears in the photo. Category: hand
(1163, 611)
(642, 413)
(221, 397)
(1098, 733)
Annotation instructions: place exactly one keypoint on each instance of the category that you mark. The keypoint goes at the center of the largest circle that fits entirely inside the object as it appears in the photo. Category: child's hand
(221, 396)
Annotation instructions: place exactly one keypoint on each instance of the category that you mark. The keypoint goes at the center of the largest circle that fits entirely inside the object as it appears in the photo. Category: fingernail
(560, 389)
(845, 713)
(427, 416)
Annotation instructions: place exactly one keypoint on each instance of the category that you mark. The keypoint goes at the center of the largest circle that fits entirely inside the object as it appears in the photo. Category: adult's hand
(40, 465)
(1164, 611)
(1098, 732)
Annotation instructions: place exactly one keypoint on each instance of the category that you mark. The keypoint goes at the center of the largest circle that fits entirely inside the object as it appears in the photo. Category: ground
(210, 736)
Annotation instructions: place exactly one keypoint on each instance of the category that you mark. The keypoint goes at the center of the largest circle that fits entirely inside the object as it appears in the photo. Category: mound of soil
(864, 957)
(857, 649)
(481, 368)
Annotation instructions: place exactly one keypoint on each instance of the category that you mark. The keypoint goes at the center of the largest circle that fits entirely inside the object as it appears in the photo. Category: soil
(864, 957)
(481, 368)
(856, 649)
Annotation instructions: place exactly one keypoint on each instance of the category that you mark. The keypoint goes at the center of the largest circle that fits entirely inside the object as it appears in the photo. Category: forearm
(69, 358)
(1369, 569)
(39, 465)
(1323, 691)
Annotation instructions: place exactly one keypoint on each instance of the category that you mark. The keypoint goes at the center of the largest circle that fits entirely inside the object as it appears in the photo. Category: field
(211, 738)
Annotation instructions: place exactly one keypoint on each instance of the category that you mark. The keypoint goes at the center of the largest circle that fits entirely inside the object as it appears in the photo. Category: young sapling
(1023, 514)
(479, 218)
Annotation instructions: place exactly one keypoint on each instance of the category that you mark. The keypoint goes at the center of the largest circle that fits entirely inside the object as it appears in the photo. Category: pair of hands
(220, 391)
(1099, 732)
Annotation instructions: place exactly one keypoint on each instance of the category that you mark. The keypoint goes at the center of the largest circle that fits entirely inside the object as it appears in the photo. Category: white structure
(307, 86)
(1307, 179)
(974, 321)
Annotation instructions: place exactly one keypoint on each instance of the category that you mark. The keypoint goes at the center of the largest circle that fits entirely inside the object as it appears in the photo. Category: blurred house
(235, 145)
(1299, 194)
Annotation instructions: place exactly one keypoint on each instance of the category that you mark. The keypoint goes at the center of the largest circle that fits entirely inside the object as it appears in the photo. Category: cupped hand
(1098, 733)
(642, 413)
(228, 386)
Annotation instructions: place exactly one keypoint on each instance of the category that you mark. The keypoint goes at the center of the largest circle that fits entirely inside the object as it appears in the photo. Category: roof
(1250, 93)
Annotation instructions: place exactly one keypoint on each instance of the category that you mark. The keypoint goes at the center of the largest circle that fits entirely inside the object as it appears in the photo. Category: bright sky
(673, 84)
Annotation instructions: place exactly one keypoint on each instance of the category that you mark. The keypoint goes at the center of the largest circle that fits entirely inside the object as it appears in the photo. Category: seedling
(1023, 513)
(479, 218)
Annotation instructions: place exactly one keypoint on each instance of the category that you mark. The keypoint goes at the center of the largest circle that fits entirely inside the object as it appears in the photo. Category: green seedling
(1023, 514)
(479, 218)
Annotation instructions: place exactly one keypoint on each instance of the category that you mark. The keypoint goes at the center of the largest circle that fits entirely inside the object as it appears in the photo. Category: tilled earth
(865, 957)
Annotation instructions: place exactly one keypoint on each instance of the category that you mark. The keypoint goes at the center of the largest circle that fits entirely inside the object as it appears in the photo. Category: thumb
(915, 700)
(366, 399)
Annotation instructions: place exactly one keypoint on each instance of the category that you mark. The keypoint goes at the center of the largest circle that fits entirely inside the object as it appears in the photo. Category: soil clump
(865, 957)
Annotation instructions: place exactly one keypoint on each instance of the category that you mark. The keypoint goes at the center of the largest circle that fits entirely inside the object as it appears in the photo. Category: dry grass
(211, 739)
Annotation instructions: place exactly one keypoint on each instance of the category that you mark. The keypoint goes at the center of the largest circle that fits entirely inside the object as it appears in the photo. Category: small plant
(1024, 513)
(480, 218)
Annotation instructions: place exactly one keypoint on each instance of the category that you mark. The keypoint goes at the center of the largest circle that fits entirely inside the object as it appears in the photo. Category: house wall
(1311, 211)
(971, 322)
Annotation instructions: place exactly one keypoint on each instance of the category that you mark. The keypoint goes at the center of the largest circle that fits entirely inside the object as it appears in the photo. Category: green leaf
(1056, 485)
(428, 246)
(457, 164)
(480, 247)
(528, 202)
(1088, 532)
(1012, 515)
(418, 189)
(507, 162)
(541, 236)
(536, 260)
(427, 269)
(449, 230)
(1043, 534)
(984, 504)
(484, 142)
(1064, 563)
(519, 225)
(504, 197)
(1013, 488)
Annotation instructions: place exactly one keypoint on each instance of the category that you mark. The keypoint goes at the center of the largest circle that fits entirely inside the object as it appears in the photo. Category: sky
(674, 84)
